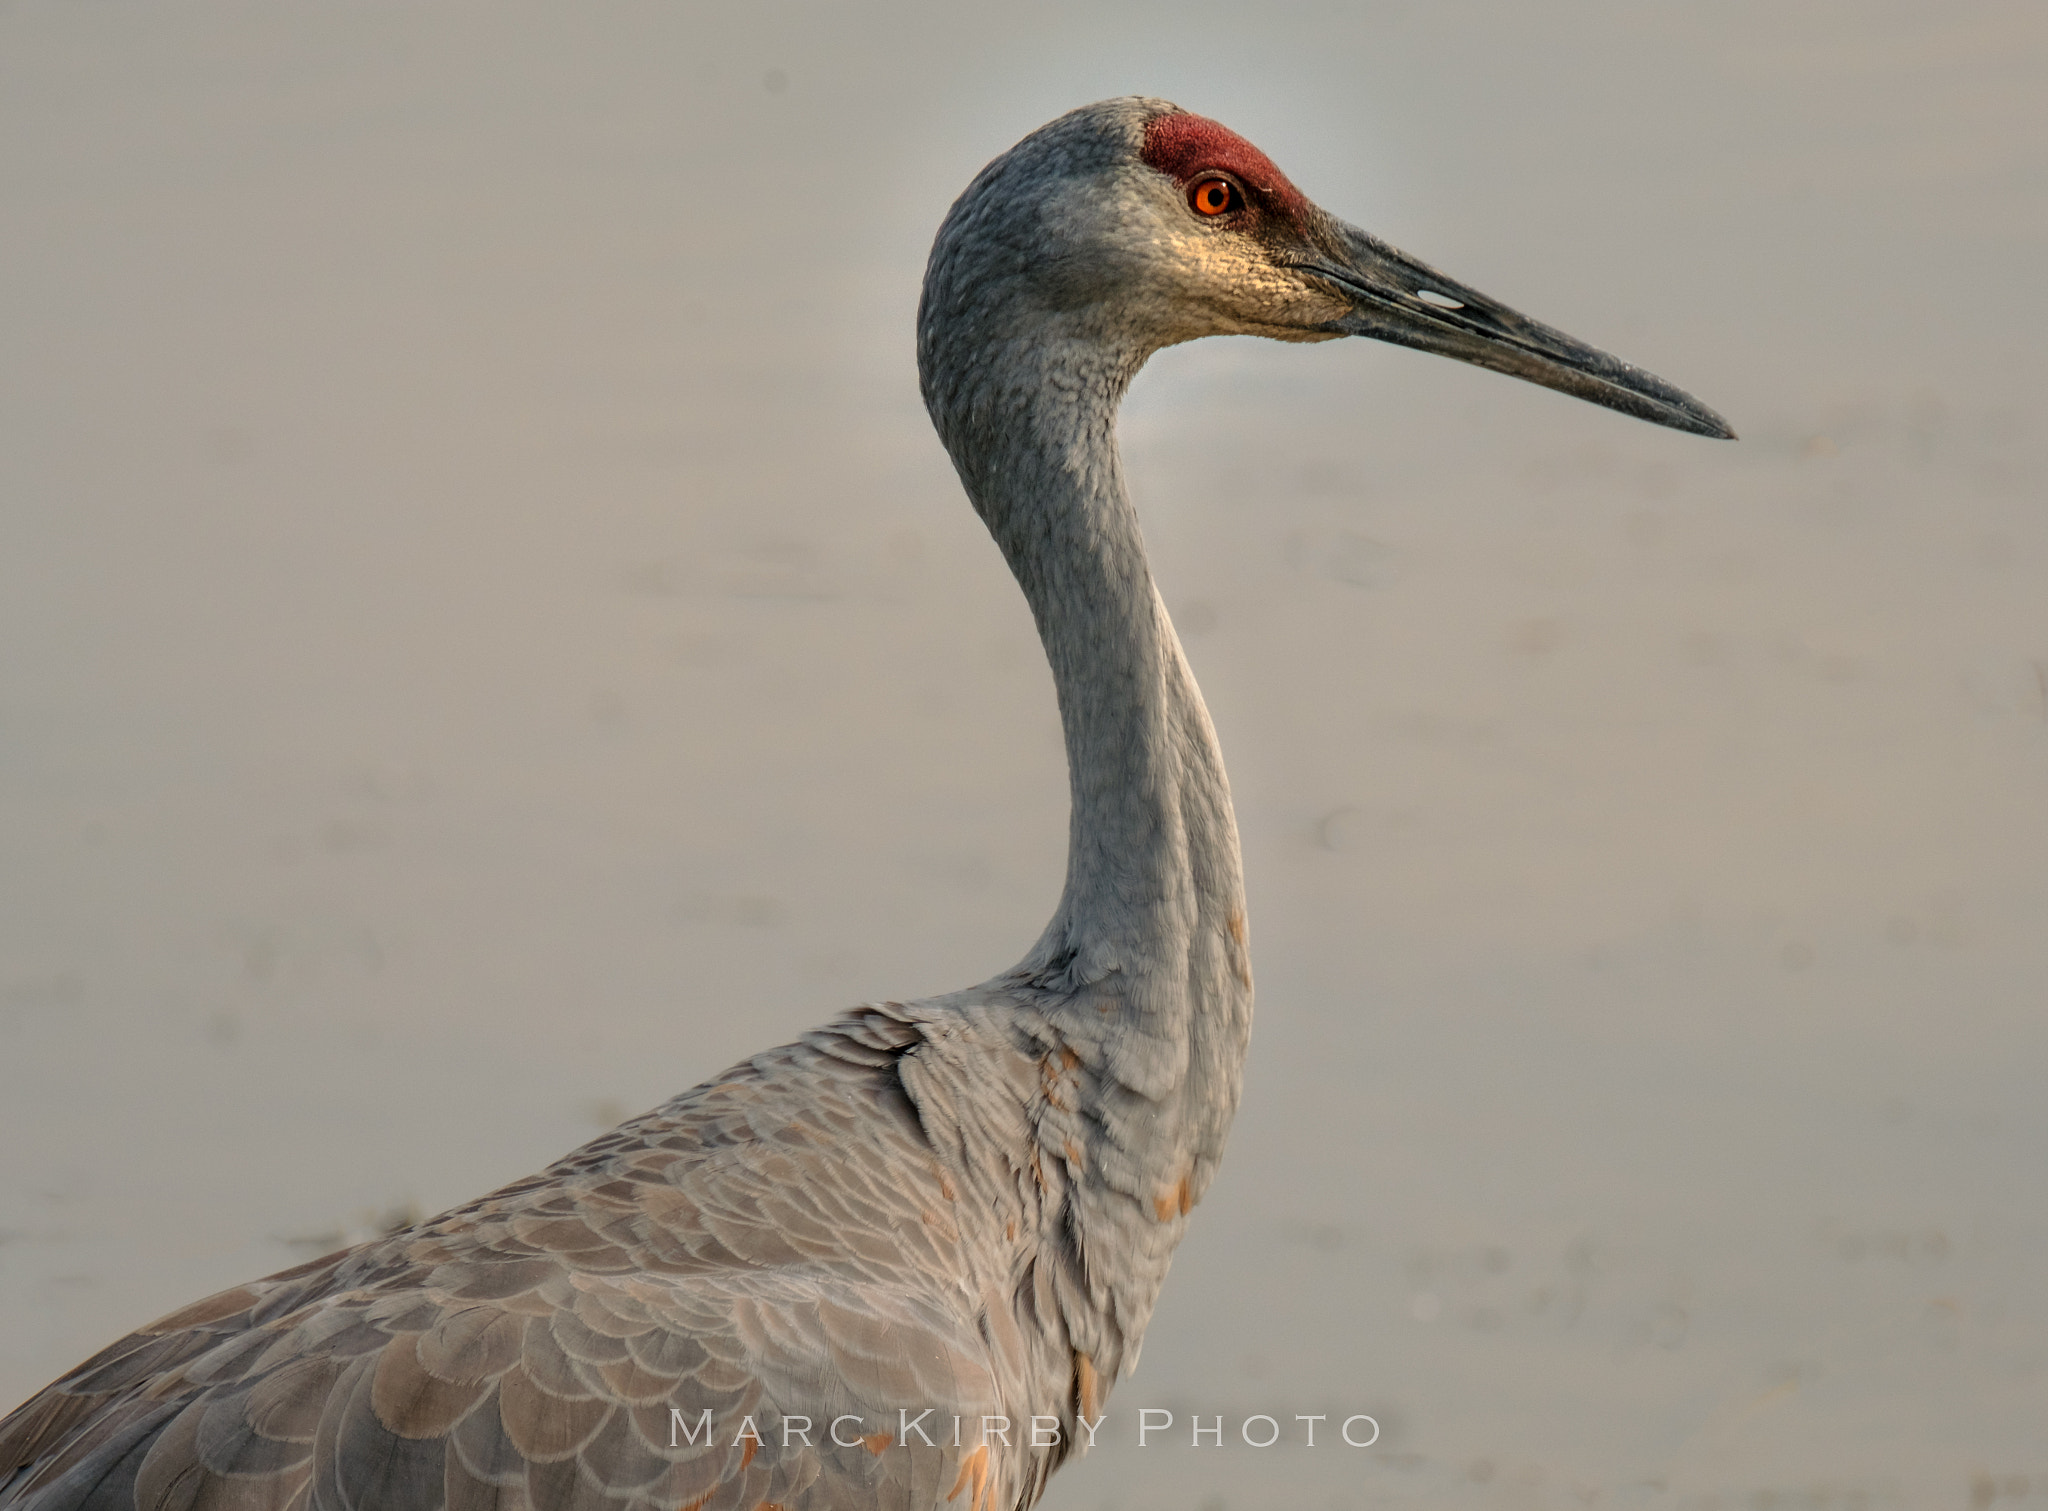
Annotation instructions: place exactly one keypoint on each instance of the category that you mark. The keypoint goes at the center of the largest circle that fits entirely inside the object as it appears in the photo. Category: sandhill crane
(901, 1261)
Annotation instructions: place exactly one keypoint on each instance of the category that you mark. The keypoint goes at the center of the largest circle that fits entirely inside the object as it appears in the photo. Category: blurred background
(488, 639)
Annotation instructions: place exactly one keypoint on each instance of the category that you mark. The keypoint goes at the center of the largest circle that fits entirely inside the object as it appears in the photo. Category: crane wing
(684, 1314)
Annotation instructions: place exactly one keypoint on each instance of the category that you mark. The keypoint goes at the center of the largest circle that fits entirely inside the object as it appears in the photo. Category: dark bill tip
(1398, 299)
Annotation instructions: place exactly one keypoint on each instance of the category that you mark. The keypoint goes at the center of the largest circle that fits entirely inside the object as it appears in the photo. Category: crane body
(901, 1262)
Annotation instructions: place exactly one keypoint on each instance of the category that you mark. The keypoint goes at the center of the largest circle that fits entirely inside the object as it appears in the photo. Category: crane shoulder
(767, 1290)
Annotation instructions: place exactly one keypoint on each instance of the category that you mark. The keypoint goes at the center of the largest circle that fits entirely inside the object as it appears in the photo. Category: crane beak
(1396, 298)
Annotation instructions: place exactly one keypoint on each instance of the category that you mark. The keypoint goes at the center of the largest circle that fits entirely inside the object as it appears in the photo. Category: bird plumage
(789, 1238)
(820, 1279)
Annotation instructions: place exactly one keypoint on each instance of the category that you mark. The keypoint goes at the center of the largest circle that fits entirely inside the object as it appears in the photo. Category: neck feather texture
(1142, 977)
(1136, 1001)
(1153, 909)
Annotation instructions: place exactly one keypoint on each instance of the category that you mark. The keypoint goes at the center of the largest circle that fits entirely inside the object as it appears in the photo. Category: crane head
(1141, 222)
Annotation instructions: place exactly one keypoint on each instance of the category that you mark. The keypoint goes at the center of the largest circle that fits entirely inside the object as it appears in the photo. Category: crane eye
(1215, 196)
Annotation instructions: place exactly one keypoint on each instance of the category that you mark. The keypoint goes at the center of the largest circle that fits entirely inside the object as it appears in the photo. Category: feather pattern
(959, 1209)
(779, 1248)
(819, 1280)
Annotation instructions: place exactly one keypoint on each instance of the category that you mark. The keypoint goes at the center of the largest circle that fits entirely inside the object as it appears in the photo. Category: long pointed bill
(1395, 298)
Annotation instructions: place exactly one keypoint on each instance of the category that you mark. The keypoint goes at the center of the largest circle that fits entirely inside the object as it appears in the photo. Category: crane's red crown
(1185, 146)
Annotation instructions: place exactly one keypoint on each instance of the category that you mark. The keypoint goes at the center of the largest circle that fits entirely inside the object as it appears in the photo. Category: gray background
(487, 639)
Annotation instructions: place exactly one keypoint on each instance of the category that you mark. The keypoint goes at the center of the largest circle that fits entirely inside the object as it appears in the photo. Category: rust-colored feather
(586, 1344)
(413, 1402)
(471, 1344)
(497, 1359)
(489, 1278)
(627, 1381)
(367, 1466)
(543, 1426)
(286, 1403)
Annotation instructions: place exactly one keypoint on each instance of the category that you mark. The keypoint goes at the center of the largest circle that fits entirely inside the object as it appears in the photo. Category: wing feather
(372, 1468)
(171, 1473)
(471, 1344)
(774, 1249)
(411, 1400)
(590, 1346)
(228, 1443)
(543, 1427)
(286, 1403)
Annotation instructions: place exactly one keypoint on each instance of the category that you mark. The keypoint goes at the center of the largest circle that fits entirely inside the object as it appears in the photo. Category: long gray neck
(1136, 1001)
(1141, 983)
(1152, 917)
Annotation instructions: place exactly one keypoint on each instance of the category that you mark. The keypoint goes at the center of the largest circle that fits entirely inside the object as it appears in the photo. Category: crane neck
(1150, 930)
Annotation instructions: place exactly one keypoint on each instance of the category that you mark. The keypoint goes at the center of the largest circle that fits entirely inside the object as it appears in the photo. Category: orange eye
(1215, 196)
